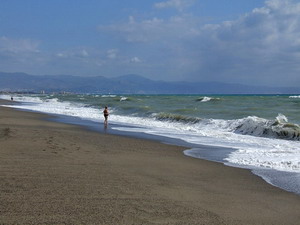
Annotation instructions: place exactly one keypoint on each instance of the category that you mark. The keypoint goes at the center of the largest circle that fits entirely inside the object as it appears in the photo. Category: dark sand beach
(55, 173)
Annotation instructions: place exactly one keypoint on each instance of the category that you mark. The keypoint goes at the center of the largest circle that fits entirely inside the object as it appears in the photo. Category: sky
(233, 41)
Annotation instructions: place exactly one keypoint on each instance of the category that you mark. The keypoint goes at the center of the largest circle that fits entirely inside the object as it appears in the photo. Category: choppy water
(263, 130)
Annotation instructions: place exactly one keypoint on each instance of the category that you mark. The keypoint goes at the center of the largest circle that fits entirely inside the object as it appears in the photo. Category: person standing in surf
(105, 114)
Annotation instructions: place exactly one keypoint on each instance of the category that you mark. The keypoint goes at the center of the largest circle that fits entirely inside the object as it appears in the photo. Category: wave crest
(177, 118)
(278, 128)
(207, 99)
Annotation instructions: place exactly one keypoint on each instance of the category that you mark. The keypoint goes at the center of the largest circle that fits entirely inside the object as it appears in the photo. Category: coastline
(56, 173)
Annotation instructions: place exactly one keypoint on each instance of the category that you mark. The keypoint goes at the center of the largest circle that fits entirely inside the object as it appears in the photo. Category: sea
(256, 132)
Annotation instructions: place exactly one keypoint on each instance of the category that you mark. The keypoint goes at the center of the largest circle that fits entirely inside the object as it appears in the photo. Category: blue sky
(234, 41)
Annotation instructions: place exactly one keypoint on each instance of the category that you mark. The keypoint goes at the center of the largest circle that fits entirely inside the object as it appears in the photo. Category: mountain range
(126, 84)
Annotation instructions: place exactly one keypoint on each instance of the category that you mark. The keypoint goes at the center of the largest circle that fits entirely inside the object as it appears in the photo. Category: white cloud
(180, 5)
(84, 53)
(153, 29)
(15, 46)
(79, 53)
(261, 44)
(61, 55)
(112, 53)
(19, 54)
(135, 60)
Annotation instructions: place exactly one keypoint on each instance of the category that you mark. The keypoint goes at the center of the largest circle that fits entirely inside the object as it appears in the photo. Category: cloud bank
(259, 47)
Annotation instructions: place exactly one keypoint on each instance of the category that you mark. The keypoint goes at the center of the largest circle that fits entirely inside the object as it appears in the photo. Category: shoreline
(60, 173)
(272, 159)
(273, 177)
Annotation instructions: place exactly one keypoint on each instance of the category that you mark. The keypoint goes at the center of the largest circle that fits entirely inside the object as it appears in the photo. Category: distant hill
(126, 84)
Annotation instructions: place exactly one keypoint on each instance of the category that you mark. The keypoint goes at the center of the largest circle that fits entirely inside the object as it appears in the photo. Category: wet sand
(55, 173)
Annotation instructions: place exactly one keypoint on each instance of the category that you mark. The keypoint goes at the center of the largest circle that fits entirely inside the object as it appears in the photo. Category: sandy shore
(53, 173)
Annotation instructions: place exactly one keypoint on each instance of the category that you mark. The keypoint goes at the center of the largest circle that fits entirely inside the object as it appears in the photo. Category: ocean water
(258, 132)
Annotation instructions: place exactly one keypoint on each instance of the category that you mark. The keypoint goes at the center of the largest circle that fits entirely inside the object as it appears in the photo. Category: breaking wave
(207, 99)
(123, 99)
(176, 118)
(278, 128)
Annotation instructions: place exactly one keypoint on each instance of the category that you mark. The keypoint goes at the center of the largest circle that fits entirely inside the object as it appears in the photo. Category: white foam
(206, 99)
(283, 155)
(108, 96)
(53, 106)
